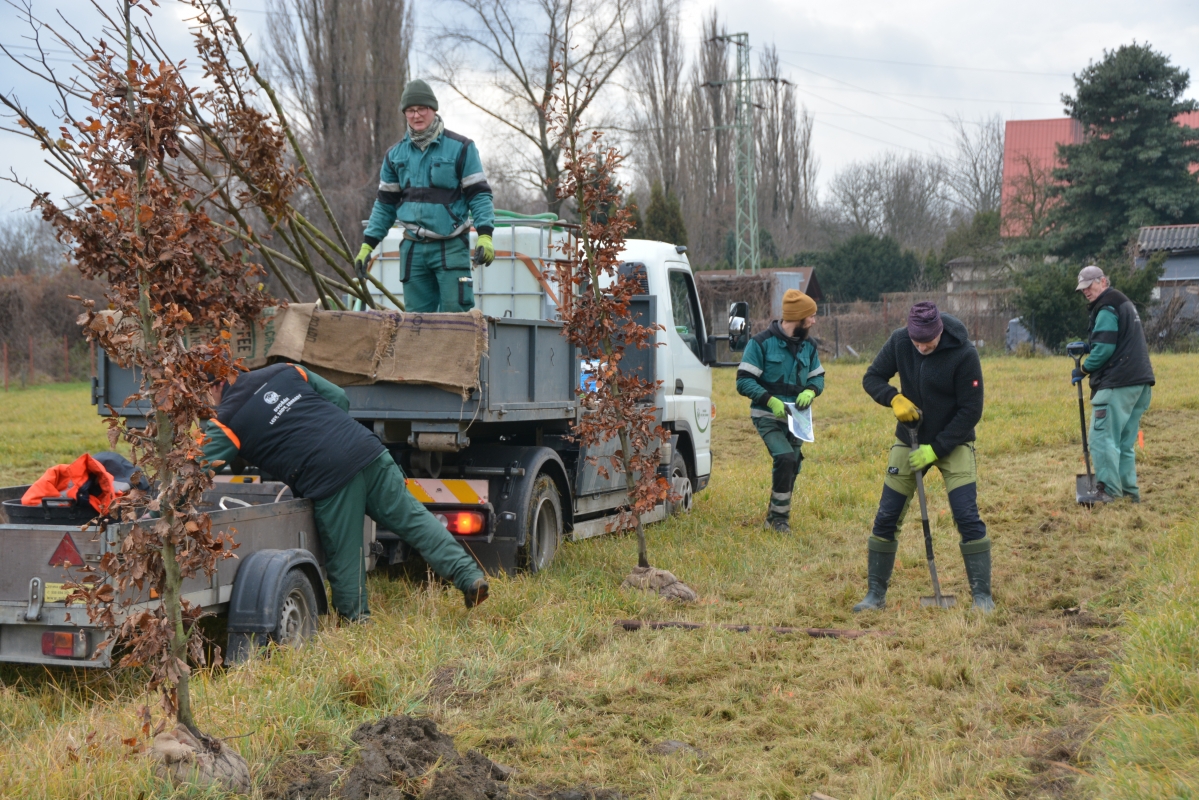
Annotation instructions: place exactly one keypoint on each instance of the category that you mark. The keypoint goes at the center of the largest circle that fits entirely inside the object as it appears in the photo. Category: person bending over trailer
(433, 182)
(292, 424)
(780, 365)
(1121, 385)
(941, 388)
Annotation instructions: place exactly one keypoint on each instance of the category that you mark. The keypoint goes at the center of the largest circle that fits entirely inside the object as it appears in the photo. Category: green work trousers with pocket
(1115, 420)
(959, 469)
(436, 275)
(379, 491)
(786, 451)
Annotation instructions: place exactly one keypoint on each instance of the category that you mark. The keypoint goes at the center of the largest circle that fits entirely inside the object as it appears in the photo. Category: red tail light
(64, 644)
(463, 522)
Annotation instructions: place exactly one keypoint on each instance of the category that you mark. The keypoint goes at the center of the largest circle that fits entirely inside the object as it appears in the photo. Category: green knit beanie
(417, 93)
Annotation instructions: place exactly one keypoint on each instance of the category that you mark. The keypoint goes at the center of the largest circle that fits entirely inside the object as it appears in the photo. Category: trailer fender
(253, 606)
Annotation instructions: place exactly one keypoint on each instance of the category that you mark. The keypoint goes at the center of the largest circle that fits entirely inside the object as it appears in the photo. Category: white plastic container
(520, 283)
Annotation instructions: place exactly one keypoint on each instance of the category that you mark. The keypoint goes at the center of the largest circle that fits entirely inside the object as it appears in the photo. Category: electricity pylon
(745, 224)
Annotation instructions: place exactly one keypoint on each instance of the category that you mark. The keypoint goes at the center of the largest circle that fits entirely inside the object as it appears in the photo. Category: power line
(930, 66)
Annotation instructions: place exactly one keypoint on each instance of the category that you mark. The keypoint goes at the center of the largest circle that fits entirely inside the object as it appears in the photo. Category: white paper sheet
(799, 422)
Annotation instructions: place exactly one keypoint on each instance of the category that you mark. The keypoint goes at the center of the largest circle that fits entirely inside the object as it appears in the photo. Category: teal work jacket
(776, 366)
(435, 193)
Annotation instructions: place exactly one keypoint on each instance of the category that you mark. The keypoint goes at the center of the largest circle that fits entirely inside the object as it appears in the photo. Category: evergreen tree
(1134, 167)
(865, 266)
(637, 231)
(663, 217)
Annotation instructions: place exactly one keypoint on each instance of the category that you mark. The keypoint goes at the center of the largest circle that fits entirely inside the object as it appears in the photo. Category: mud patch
(403, 758)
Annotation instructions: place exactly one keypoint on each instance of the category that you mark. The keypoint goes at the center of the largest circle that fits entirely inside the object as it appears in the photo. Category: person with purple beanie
(941, 388)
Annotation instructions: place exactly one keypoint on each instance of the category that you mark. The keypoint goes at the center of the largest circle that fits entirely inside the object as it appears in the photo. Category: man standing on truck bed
(293, 424)
(1121, 385)
(433, 181)
(941, 389)
(780, 365)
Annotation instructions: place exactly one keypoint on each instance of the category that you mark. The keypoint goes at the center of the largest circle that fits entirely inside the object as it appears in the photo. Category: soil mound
(403, 758)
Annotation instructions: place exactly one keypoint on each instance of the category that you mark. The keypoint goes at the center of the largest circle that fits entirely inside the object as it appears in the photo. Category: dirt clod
(404, 758)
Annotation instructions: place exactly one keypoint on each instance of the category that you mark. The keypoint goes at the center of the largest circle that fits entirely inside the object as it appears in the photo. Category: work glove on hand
(777, 407)
(922, 457)
(485, 251)
(364, 253)
(1076, 376)
(905, 410)
(805, 398)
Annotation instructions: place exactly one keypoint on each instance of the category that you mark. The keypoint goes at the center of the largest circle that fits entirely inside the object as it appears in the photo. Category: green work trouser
(785, 451)
(436, 275)
(959, 469)
(1115, 420)
(379, 491)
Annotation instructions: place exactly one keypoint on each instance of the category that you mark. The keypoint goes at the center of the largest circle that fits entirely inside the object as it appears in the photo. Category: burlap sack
(442, 350)
(184, 759)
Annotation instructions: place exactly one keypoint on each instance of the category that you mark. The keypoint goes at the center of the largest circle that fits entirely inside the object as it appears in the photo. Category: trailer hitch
(36, 597)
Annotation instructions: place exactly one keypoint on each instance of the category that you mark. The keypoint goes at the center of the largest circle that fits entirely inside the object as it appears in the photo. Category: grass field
(1082, 684)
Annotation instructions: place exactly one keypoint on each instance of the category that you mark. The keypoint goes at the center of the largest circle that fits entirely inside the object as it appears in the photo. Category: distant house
(1029, 158)
(1181, 277)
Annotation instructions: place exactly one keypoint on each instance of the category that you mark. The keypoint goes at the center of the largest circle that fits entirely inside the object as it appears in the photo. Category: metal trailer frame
(269, 534)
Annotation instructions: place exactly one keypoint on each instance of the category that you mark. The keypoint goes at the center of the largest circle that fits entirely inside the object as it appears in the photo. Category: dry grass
(946, 704)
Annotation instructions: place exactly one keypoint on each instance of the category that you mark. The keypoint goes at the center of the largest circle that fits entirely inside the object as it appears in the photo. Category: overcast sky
(877, 75)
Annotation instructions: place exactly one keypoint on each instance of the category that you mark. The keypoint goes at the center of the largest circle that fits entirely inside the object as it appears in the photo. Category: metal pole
(91, 357)
(30, 360)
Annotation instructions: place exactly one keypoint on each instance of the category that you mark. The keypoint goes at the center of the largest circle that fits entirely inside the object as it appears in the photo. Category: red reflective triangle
(66, 553)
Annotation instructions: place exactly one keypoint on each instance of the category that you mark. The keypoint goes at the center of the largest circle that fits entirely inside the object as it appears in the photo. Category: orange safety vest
(65, 480)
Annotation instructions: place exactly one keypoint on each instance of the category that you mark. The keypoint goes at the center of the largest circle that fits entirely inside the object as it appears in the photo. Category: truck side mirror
(738, 326)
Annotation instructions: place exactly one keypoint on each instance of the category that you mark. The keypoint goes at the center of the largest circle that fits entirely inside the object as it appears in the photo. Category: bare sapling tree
(657, 76)
(520, 44)
(599, 321)
(168, 178)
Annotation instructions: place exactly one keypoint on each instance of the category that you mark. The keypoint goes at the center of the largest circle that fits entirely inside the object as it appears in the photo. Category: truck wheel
(543, 526)
(680, 484)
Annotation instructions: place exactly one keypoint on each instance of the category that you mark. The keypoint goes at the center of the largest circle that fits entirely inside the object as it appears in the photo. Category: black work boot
(880, 560)
(977, 557)
(477, 593)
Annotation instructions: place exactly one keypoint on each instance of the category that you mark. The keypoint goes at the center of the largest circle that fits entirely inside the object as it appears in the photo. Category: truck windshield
(685, 308)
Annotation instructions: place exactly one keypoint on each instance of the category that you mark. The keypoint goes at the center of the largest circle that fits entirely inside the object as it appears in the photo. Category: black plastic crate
(52, 511)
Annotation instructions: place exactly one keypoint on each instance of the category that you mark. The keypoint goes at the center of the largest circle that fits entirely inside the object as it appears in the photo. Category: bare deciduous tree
(660, 105)
(786, 165)
(344, 64)
(975, 172)
(518, 42)
(28, 247)
(1026, 208)
(900, 197)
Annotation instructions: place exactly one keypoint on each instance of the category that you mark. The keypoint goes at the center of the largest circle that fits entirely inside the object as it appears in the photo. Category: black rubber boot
(477, 593)
(880, 560)
(977, 557)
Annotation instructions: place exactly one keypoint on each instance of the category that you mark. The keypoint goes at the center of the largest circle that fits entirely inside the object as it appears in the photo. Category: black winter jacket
(946, 385)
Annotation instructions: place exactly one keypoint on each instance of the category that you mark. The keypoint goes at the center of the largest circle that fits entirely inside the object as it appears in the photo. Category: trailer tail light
(463, 523)
(64, 644)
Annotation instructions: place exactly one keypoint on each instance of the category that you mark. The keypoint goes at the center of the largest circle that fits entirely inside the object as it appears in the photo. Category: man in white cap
(1121, 385)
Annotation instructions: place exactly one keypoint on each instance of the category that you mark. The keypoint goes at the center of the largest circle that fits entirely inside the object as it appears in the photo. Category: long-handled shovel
(938, 599)
(1084, 485)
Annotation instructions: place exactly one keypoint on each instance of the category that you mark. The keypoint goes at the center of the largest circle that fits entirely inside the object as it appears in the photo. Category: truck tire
(680, 484)
(543, 526)
(295, 623)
